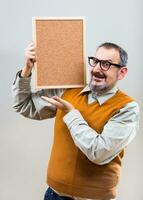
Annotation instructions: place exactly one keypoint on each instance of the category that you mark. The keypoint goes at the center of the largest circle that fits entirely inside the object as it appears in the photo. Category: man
(93, 125)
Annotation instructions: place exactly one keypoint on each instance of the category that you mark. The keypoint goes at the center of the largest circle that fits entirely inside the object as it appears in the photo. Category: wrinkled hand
(30, 59)
(59, 103)
(30, 55)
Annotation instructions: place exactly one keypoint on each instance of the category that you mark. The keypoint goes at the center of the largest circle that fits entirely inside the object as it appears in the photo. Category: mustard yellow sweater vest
(70, 171)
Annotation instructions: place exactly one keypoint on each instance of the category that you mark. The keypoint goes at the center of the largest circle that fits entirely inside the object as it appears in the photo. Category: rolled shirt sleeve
(116, 135)
(30, 104)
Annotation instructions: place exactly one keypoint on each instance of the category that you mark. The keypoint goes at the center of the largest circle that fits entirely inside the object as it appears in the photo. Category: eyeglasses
(104, 64)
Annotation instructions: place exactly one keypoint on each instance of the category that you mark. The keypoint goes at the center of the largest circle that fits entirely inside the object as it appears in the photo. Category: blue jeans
(51, 195)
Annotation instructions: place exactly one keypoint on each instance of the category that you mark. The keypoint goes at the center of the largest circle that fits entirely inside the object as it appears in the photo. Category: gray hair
(123, 54)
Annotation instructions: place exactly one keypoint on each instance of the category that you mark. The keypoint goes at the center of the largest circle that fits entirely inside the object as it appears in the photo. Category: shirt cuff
(22, 82)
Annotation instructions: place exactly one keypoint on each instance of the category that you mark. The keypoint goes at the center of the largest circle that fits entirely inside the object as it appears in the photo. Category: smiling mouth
(98, 78)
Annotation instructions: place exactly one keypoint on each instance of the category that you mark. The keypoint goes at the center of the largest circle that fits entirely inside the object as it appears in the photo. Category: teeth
(99, 77)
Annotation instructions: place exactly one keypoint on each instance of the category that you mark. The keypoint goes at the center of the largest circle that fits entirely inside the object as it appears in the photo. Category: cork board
(60, 50)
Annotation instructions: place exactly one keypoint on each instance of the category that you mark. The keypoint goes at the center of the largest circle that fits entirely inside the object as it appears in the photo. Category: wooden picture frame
(60, 51)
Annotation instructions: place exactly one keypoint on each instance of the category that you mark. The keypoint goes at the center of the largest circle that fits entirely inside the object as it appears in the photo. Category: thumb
(58, 99)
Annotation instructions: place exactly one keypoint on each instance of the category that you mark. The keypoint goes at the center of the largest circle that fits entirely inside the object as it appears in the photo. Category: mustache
(98, 75)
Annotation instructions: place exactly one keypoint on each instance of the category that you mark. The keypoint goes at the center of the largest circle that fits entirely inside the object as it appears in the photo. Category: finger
(31, 53)
(59, 99)
(66, 105)
(31, 49)
(32, 44)
(53, 102)
(47, 99)
(31, 57)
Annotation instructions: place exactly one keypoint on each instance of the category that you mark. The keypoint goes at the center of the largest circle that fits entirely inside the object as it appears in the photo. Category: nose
(97, 68)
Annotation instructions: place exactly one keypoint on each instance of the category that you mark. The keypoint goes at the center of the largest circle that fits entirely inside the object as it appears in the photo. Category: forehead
(103, 53)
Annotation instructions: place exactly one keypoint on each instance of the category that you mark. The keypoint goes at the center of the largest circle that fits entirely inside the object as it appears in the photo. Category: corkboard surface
(60, 53)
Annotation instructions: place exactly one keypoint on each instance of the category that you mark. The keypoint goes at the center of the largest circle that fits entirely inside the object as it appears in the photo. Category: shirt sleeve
(116, 135)
(30, 104)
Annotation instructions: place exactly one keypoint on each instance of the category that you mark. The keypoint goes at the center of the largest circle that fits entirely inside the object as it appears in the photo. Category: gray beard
(100, 89)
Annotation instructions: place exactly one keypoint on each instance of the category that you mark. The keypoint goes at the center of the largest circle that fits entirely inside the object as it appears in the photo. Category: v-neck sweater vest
(69, 170)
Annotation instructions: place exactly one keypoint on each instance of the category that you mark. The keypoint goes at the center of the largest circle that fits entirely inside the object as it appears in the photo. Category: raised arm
(30, 104)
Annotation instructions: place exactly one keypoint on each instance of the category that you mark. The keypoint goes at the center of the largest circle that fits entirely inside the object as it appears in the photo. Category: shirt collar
(103, 97)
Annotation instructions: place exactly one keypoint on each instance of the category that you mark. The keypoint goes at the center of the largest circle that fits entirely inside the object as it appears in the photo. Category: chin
(98, 87)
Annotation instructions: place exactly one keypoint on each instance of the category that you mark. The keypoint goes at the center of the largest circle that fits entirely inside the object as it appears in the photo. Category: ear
(122, 72)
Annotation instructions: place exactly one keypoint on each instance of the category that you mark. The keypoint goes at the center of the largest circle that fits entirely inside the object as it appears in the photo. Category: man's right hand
(30, 59)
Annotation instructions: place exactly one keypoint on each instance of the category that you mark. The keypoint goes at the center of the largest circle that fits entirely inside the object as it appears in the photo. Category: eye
(105, 64)
(95, 61)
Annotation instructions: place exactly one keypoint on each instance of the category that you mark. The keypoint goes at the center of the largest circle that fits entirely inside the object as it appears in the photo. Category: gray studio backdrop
(25, 144)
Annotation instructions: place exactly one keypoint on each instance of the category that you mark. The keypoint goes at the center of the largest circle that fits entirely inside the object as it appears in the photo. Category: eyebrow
(105, 60)
(110, 60)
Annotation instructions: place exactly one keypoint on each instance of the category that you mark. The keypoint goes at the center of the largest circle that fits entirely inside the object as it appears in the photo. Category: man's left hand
(59, 103)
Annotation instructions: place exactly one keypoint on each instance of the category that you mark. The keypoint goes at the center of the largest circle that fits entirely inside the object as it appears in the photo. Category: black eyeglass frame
(100, 62)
